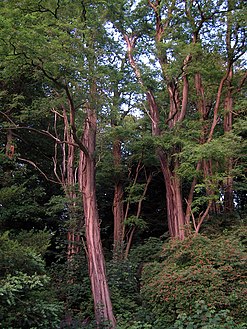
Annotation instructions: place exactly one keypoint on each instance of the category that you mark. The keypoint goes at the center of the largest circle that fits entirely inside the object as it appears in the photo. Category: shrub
(206, 318)
(27, 300)
(195, 269)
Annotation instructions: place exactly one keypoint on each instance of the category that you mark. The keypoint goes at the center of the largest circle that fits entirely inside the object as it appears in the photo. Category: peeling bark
(95, 256)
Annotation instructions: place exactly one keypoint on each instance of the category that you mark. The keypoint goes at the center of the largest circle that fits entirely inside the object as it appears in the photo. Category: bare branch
(9, 119)
(217, 104)
(72, 123)
(35, 166)
(203, 217)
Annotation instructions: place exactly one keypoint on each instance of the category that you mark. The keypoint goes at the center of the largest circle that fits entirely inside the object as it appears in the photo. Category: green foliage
(21, 195)
(51, 49)
(135, 192)
(72, 288)
(124, 281)
(38, 241)
(123, 284)
(15, 257)
(197, 268)
(205, 317)
(147, 251)
(135, 221)
(134, 325)
(27, 300)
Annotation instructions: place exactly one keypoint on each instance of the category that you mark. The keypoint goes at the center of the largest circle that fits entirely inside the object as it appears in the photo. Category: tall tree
(65, 54)
(176, 43)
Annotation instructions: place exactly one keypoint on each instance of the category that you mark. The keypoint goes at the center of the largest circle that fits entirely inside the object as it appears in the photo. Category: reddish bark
(67, 178)
(10, 148)
(228, 120)
(175, 214)
(95, 256)
(86, 179)
(118, 207)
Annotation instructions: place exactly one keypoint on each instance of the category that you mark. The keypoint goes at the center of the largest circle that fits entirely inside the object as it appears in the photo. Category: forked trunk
(175, 213)
(96, 262)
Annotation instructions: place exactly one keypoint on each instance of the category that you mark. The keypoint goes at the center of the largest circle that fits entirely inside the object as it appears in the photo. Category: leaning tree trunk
(175, 214)
(96, 262)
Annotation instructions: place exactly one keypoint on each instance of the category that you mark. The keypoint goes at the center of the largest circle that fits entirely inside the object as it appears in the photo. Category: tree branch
(35, 166)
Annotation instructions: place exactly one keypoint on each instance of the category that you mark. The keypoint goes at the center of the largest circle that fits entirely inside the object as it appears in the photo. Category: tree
(70, 37)
(178, 46)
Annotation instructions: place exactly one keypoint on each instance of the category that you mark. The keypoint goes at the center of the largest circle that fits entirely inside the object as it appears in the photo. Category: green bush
(198, 268)
(124, 281)
(72, 288)
(27, 299)
(123, 285)
(204, 317)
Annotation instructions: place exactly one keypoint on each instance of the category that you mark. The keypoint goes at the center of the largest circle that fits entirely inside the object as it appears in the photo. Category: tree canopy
(123, 129)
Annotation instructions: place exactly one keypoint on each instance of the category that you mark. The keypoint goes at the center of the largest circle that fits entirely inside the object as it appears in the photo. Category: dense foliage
(27, 297)
(123, 164)
(199, 268)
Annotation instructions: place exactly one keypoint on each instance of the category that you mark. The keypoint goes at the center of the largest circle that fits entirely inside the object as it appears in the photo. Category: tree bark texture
(95, 256)
(174, 204)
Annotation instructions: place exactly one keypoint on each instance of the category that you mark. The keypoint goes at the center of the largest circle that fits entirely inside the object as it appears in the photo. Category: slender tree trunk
(68, 178)
(118, 213)
(118, 209)
(228, 190)
(228, 120)
(138, 213)
(69, 181)
(95, 256)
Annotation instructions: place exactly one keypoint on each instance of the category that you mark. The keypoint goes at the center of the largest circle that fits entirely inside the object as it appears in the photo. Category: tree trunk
(118, 210)
(118, 213)
(10, 149)
(228, 119)
(96, 262)
(175, 213)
